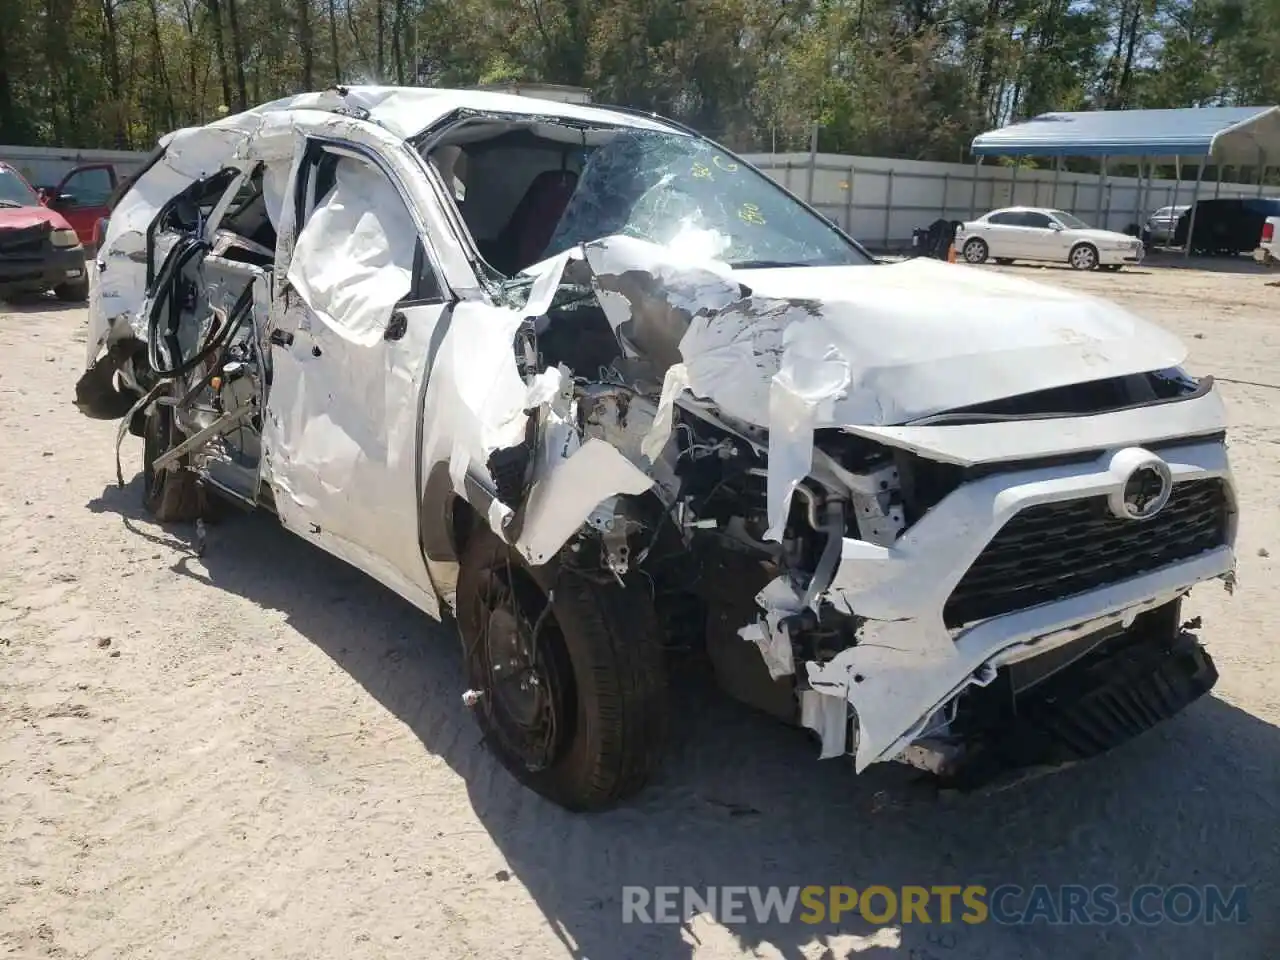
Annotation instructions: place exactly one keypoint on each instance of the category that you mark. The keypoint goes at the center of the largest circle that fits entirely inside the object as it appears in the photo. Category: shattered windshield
(684, 193)
(14, 192)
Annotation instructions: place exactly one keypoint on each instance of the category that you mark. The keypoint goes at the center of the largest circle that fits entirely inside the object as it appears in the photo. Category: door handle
(397, 326)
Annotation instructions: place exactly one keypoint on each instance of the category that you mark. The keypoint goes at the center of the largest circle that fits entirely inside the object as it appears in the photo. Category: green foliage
(909, 78)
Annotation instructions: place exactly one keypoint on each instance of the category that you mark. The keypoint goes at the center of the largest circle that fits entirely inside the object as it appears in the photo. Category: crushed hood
(922, 337)
(20, 218)
(802, 348)
(870, 345)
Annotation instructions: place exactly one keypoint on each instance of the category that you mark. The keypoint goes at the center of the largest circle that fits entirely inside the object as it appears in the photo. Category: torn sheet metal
(828, 717)
(774, 644)
(275, 187)
(477, 401)
(801, 349)
(1028, 439)
(918, 336)
(813, 375)
(906, 664)
(353, 259)
(265, 133)
(779, 599)
(190, 154)
(561, 502)
(650, 297)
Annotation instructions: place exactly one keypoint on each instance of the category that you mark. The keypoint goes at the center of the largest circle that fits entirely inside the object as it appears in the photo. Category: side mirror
(1056, 227)
(63, 200)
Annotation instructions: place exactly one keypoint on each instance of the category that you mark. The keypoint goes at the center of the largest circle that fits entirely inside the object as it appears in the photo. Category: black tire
(74, 292)
(1083, 256)
(1003, 262)
(975, 251)
(171, 496)
(595, 660)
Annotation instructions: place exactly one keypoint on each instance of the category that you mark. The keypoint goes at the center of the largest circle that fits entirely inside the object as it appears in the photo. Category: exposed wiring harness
(166, 309)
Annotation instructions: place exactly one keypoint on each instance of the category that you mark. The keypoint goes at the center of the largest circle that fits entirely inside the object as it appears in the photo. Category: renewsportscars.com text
(1009, 904)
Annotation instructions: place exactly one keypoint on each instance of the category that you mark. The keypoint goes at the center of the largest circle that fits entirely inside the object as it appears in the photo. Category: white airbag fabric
(353, 261)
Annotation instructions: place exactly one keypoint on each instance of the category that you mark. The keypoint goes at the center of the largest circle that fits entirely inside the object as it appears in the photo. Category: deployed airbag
(353, 261)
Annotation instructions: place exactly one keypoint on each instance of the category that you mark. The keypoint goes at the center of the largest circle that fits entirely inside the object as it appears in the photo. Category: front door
(1001, 235)
(353, 324)
(82, 198)
(1041, 240)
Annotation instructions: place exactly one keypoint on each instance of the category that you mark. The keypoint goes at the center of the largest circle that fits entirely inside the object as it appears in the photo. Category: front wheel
(76, 291)
(565, 675)
(1084, 256)
(975, 251)
(170, 495)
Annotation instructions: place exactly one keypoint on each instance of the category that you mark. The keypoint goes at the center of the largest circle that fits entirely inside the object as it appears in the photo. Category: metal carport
(1223, 136)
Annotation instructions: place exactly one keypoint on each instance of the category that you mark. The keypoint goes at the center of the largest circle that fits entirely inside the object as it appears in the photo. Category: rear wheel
(1083, 256)
(566, 675)
(170, 495)
(975, 251)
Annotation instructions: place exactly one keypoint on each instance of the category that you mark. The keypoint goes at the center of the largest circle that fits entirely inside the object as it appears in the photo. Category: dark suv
(39, 249)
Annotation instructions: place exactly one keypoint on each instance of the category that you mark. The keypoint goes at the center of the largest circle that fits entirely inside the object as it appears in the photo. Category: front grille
(24, 243)
(21, 251)
(1056, 550)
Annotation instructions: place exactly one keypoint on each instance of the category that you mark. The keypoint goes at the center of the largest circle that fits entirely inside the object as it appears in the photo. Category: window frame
(427, 285)
(428, 140)
(86, 171)
(22, 182)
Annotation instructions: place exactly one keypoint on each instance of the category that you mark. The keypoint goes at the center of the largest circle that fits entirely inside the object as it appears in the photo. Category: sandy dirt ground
(261, 753)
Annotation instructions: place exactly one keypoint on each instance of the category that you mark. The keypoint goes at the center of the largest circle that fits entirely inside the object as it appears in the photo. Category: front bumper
(1130, 255)
(51, 267)
(908, 664)
(1110, 691)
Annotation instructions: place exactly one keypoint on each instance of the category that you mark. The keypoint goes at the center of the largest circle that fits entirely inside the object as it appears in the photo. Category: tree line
(906, 78)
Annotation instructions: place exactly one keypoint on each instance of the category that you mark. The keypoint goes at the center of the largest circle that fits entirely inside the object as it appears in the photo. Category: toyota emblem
(1146, 492)
(1145, 489)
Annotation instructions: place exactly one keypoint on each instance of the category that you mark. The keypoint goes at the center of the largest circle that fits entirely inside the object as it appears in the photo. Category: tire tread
(612, 635)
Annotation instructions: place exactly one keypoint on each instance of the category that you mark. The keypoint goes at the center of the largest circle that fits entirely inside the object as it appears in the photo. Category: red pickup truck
(83, 197)
(40, 246)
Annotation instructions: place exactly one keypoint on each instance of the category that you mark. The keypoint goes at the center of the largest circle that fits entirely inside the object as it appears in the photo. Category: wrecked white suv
(603, 391)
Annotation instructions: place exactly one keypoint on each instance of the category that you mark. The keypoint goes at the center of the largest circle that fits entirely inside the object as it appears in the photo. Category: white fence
(879, 201)
(45, 166)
